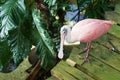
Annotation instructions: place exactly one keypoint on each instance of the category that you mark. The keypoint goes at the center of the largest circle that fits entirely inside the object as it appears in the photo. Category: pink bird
(85, 31)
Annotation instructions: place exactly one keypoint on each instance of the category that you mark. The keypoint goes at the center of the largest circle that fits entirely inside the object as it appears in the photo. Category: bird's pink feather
(89, 29)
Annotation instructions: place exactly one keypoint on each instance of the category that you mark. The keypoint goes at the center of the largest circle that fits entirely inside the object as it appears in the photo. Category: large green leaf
(19, 45)
(50, 2)
(13, 17)
(12, 13)
(5, 54)
(45, 46)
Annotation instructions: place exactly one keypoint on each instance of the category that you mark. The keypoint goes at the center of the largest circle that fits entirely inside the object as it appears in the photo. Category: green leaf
(45, 48)
(12, 13)
(5, 54)
(14, 24)
(50, 2)
(19, 45)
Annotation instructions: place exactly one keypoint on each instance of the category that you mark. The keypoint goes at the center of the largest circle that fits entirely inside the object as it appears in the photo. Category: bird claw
(85, 60)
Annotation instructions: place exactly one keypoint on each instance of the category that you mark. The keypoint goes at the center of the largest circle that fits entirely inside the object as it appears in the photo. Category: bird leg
(85, 49)
(86, 58)
(113, 46)
(87, 52)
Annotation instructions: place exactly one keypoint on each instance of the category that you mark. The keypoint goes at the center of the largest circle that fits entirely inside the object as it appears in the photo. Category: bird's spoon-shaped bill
(64, 42)
(60, 54)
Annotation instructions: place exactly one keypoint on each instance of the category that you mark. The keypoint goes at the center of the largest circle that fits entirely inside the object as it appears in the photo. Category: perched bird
(85, 31)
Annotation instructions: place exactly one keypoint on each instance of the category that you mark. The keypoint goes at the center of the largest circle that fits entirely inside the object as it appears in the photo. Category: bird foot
(86, 59)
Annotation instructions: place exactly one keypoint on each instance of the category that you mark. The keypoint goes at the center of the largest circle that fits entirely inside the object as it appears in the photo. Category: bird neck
(68, 37)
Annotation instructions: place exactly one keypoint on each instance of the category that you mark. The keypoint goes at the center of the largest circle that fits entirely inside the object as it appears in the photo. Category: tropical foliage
(95, 8)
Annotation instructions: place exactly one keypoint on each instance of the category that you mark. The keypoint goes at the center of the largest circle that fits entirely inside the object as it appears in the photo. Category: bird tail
(110, 22)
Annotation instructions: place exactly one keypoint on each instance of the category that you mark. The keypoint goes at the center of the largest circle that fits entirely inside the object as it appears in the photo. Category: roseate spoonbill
(84, 31)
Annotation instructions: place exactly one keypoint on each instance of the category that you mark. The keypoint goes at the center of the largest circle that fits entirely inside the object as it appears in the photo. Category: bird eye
(64, 30)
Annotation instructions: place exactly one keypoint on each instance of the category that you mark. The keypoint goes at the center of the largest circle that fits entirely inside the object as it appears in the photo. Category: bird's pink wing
(86, 22)
(88, 32)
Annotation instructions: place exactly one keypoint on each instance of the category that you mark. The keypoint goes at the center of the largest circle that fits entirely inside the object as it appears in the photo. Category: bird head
(67, 27)
(64, 29)
(63, 33)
